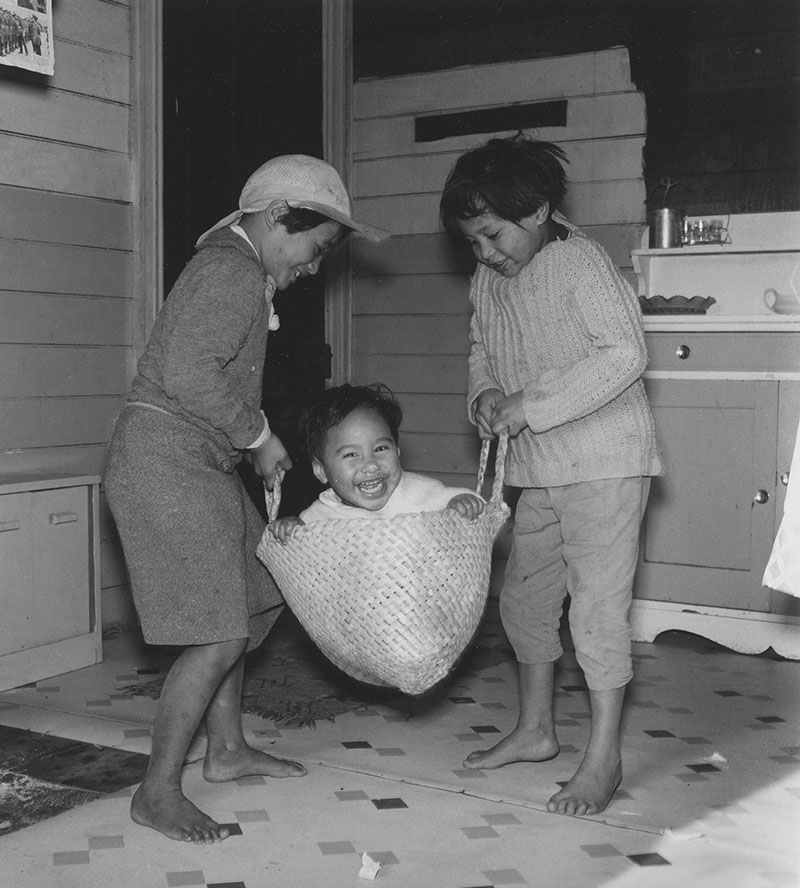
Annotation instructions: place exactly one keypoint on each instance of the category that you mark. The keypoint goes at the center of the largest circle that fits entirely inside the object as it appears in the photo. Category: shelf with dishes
(741, 284)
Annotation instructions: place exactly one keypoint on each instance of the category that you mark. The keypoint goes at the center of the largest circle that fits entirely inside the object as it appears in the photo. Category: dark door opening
(243, 83)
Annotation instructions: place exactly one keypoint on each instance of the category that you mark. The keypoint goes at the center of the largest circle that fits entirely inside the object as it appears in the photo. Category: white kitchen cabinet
(49, 576)
(705, 538)
(724, 387)
(726, 402)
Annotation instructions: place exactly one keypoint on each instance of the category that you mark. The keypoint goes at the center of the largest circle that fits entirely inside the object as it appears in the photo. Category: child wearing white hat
(188, 529)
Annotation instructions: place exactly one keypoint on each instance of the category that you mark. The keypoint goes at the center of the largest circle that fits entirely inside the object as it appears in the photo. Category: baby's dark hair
(510, 177)
(338, 403)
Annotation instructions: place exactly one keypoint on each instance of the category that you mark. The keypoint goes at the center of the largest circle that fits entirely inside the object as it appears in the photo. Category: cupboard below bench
(49, 576)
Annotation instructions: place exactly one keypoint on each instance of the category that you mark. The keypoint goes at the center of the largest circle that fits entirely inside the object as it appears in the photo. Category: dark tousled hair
(339, 402)
(511, 178)
(297, 219)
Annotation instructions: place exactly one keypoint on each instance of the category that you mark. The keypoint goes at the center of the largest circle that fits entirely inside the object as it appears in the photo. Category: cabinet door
(61, 586)
(705, 538)
(16, 572)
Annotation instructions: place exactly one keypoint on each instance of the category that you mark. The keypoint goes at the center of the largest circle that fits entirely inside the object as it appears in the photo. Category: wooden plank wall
(66, 257)
(410, 294)
(720, 78)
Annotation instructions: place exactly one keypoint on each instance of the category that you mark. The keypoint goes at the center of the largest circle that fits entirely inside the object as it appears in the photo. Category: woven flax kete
(396, 601)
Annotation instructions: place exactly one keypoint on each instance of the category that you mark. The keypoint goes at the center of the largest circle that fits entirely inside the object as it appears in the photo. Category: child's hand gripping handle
(273, 498)
(499, 467)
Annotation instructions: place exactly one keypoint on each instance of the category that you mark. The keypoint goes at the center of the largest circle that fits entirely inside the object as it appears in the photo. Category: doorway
(243, 83)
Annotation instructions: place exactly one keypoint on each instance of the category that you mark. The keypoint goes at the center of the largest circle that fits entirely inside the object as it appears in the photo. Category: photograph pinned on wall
(26, 35)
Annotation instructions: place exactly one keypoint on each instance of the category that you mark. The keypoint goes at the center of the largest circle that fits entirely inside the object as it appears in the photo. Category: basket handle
(273, 497)
(499, 467)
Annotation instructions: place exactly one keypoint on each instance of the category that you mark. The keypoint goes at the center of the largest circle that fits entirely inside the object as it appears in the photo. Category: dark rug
(42, 775)
(290, 682)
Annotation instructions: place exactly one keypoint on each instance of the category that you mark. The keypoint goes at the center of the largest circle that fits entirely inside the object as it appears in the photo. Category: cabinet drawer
(744, 352)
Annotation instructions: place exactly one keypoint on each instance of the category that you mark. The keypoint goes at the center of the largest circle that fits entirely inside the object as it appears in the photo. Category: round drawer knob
(683, 352)
(761, 497)
(785, 479)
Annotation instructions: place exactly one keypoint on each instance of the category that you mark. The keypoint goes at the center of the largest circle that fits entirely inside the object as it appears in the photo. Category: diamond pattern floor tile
(711, 794)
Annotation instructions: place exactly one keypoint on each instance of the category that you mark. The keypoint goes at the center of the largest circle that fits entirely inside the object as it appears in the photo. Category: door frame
(147, 166)
(337, 111)
(147, 163)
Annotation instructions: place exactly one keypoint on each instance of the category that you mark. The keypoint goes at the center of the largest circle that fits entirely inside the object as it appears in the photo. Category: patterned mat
(290, 682)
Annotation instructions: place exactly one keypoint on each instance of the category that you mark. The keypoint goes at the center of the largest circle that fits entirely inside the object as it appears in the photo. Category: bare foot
(588, 792)
(222, 766)
(171, 813)
(519, 746)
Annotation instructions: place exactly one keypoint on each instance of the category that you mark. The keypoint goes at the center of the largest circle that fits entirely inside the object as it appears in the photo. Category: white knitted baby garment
(783, 567)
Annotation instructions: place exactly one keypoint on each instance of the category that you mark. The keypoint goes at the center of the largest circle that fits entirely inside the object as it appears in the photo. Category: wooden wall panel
(501, 84)
(441, 454)
(435, 413)
(36, 215)
(77, 320)
(411, 334)
(410, 254)
(67, 251)
(608, 116)
(410, 296)
(720, 78)
(433, 294)
(67, 169)
(62, 268)
(594, 161)
(95, 23)
(435, 254)
(588, 203)
(79, 459)
(417, 256)
(89, 71)
(54, 422)
(432, 374)
(52, 371)
(65, 117)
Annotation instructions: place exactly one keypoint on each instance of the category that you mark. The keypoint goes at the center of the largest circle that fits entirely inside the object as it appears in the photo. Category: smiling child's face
(287, 256)
(361, 460)
(505, 246)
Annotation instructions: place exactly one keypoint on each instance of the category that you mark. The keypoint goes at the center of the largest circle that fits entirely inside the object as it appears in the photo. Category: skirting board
(747, 632)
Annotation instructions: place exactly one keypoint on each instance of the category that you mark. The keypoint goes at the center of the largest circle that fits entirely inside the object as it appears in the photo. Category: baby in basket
(351, 435)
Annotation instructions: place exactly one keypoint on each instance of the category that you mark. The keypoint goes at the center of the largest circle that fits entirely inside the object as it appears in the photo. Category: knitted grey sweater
(567, 332)
(205, 358)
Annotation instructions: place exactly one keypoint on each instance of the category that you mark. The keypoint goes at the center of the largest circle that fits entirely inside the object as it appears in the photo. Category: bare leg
(228, 755)
(534, 738)
(189, 687)
(599, 774)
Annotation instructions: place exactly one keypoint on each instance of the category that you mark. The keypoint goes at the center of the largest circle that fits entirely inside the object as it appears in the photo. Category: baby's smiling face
(361, 460)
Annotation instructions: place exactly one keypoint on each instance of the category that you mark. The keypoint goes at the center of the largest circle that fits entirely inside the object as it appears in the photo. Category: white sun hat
(302, 181)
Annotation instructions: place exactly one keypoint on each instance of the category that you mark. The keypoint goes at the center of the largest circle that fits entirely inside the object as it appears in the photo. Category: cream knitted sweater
(567, 332)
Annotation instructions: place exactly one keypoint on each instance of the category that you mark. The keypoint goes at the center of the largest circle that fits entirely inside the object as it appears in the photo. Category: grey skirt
(189, 532)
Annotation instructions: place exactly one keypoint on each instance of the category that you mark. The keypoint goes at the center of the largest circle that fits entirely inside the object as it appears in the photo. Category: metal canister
(665, 228)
